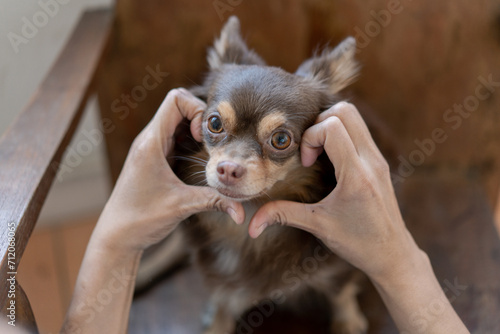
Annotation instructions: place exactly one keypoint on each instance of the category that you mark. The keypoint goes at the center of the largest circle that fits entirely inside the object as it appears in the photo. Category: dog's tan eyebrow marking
(270, 122)
(227, 114)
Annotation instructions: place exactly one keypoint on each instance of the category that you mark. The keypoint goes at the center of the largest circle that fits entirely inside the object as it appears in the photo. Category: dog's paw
(217, 321)
(207, 317)
(355, 323)
(214, 331)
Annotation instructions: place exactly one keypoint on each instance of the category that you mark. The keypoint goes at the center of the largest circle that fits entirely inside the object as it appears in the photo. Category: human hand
(360, 219)
(149, 200)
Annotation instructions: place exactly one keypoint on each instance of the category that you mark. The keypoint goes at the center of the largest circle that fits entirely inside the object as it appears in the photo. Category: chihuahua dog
(252, 130)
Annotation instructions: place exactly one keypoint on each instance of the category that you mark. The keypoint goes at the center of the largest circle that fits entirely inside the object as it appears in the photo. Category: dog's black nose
(229, 172)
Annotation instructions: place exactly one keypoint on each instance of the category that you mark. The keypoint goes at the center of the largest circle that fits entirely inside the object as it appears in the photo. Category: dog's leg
(225, 308)
(347, 316)
(223, 322)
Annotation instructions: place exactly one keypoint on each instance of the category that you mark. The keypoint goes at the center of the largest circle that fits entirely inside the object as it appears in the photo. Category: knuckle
(333, 123)
(381, 166)
(173, 96)
(365, 188)
(360, 184)
(140, 147)
(175, 93)
(343, 107)
(215, 203)
(279, 218)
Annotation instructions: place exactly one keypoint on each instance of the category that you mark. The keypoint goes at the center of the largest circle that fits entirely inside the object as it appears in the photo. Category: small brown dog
(252, 130)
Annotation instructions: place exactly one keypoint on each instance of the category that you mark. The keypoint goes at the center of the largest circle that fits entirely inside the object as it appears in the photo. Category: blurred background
(84, 191)
(429, 90)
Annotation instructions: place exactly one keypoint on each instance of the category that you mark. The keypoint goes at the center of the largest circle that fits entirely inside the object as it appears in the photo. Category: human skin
(358, 219)
(361, 222)
(146, 205)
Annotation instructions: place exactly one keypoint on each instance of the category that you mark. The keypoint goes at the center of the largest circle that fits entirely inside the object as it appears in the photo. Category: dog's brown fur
(253, 102)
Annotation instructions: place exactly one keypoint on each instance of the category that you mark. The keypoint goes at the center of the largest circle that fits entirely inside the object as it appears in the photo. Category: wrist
(114, 232)
(408, 282)
(410, 294)
(113, 245)
(409, 265)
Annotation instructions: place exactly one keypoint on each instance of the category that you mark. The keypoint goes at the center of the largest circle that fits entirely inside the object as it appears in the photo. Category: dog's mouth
(237, 196)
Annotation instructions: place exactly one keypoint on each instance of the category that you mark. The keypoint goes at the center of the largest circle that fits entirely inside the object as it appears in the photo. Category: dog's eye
(215, 124)
(281, 140)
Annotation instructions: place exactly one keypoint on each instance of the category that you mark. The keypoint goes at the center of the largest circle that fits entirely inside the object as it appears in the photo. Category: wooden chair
(32, 147)
(448, 210)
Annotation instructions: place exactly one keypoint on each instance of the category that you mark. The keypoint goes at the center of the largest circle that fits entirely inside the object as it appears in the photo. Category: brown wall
(420, 59)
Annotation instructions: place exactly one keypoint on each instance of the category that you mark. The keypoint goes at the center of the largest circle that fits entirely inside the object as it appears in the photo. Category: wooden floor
(50, 266)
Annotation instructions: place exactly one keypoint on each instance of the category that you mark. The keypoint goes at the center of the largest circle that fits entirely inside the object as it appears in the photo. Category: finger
(177, 105)
(196, 127)
(282, 212)
(355, 125)
(203, 199)
(333, 137)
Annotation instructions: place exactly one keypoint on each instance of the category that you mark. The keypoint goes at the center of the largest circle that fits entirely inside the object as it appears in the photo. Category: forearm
(103, 293)
(412, 299)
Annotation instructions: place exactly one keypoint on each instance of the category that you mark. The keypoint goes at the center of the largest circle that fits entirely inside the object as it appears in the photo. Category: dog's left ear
(230, 48)
(335, 68)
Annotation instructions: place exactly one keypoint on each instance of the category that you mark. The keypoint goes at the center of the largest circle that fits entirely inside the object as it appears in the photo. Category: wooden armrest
(32, 147)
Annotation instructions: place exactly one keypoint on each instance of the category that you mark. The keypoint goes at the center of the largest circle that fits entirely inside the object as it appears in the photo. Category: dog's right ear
(335, 69)
(231, 49)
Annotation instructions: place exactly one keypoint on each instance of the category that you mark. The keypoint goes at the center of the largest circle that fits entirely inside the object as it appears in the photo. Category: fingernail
(260, 229)
(231, 212)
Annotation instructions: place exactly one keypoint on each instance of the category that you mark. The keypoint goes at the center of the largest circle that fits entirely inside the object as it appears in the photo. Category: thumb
(204, 199)
(284, 213)
(195, 126)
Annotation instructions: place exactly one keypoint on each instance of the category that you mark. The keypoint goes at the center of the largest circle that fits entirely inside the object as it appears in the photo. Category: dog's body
(252, 129)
